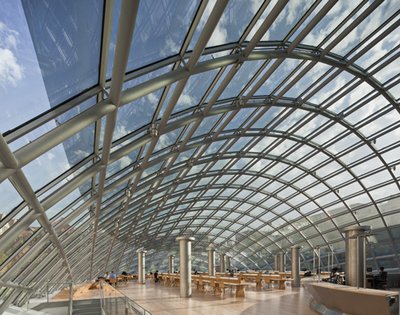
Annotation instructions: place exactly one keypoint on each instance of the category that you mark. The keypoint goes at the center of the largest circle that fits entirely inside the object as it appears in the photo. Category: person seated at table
(307, 273)
(124, 276)
(113, 278)
(381, 279)
(231, 273)
(156, 279)
(333, 276)
(106, 277)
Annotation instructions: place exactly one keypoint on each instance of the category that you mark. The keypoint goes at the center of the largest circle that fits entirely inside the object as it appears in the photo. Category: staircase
(86, 307)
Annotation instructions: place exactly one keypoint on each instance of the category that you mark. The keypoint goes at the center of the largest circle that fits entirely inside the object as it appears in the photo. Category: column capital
(141, 250)
(211, 247)
(296, 246)
(356, 228)
(185, 238)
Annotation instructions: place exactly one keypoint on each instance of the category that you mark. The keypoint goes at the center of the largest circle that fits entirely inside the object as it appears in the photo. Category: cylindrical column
(282, 261)
(171, 263)
(222, 262)
(228, 262)
(355, 258)
(295, 266)
(318, 261)
(329, 260)
(276, 262)
(141, 266)
(185, 257)
(211, 260)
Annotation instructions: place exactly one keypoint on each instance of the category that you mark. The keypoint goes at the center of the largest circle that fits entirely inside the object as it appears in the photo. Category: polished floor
(162, 300)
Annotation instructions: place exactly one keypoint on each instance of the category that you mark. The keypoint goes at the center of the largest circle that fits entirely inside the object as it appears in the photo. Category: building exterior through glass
(251, 125)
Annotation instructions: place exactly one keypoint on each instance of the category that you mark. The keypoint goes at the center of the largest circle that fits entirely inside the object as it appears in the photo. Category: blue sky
(21, 85)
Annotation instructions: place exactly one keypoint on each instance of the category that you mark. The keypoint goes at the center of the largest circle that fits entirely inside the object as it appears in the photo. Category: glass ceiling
(255, 125)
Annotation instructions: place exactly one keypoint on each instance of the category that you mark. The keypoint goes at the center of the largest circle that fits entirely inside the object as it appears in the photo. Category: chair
(113, 281)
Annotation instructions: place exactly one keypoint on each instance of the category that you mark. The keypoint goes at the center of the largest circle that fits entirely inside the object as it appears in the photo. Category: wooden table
(171, 279)
(220, 283)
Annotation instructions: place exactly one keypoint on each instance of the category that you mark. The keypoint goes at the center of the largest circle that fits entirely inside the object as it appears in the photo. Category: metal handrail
(70, 295)
(128, 303)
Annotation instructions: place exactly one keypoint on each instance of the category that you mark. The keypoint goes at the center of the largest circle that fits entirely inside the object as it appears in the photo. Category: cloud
(120, 131)
(152, 98)
(124, 162)
(10, 70)
(170, 47)
(220, 34)
(255, 5)
(186, 100)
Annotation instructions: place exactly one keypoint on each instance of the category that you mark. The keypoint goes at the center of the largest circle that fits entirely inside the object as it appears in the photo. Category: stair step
(87, 302)
(86, 307)
(84, 312)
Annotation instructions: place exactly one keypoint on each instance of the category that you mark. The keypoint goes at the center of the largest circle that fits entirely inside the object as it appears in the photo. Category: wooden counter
(350, 300)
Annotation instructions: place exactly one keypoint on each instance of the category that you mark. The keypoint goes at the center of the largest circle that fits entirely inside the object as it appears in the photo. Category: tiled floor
(162, 300)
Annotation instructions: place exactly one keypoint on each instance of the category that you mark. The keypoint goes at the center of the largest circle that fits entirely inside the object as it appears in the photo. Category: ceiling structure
(253, 125)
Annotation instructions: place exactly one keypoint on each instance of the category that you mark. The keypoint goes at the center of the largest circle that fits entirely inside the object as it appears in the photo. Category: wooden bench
(269, 279)
(239, 288)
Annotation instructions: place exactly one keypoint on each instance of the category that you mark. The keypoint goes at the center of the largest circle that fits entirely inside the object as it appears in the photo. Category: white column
(211, 260)
(295, 266)
(185, 257)
(276, 266)
(282, 261)
(171, 263)
(318, 262)
(329, 260)
(141, 266)
(228, 262)
(222, 262)
(355, 258)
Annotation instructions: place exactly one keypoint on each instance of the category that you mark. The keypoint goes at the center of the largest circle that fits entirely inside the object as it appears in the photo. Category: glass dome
(256, 125)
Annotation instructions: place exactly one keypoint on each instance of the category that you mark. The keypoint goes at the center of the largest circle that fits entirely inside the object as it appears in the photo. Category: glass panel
(41, 130)
(194, 90)
(68, 58)
(10, 198)
(239, 118)
(237, 15)
(329, 22)
(59, 159)
(136, 114)
(358, 34)
(21, 85)
(277, 77)
(167, 139)
(20, 239)
(243, 75)
(160, 30)
(285, 21)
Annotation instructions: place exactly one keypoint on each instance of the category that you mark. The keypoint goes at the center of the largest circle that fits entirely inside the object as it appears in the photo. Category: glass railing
(32, 299)
(114, 302)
